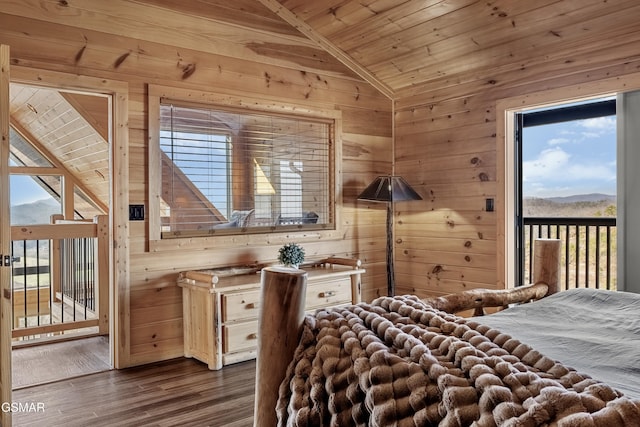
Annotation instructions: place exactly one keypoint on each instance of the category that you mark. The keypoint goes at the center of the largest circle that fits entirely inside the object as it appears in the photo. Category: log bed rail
(479, 299)
(546, 281)
(282, 314)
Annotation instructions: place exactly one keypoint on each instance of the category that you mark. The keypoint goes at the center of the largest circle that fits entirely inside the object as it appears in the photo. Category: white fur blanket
(399, 362)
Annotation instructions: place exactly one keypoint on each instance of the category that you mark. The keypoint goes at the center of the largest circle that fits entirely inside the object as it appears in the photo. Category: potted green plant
(291, 255)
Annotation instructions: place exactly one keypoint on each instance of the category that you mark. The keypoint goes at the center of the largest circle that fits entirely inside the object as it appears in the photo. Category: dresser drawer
(233, 303)
(240, 305)
(328, 292)
(239, 336)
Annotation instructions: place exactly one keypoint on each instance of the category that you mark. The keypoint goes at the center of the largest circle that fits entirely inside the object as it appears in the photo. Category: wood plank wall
(52, 41)
(450, 145)
(447, 139)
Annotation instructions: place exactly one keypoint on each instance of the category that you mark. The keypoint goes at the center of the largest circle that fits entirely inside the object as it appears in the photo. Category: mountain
(581, 205)
(38, 212)
(593, 197)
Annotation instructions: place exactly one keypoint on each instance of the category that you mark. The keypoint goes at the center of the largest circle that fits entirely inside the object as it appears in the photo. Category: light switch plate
(488, 205)
(136, 212)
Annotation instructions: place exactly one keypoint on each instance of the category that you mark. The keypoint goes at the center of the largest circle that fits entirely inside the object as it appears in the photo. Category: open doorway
(627, 93)
(565, 188)
(60, 196)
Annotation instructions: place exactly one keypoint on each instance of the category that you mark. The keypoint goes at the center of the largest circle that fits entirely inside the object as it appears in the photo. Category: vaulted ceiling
(62, 134)
(404, 46)
(399, 46)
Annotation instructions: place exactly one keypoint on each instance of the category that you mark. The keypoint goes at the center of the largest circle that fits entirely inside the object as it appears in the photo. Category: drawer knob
(327, 294)
(253, 336)
(253, 305)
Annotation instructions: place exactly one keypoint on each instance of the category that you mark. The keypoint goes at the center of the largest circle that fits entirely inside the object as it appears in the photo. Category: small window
(229, 172)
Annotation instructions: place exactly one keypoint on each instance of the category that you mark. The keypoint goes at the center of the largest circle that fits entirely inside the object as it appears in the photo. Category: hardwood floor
(180, 392)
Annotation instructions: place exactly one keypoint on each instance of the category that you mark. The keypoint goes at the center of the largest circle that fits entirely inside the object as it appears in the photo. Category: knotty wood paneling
(144, 43)
(450, 142)
(5, 235)
(413, 47)
(448, 65)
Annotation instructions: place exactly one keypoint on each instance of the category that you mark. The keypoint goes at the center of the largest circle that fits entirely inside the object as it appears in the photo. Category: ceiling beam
(96, 123)
(325, 44)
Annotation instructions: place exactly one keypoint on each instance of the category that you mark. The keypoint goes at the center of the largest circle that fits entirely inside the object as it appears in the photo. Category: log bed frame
(282, 314)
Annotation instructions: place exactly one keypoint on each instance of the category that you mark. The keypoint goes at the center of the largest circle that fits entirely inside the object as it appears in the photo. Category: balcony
(588, 250)
(59, 280)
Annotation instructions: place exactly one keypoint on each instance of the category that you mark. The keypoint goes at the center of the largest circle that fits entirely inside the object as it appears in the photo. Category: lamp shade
(389, 189)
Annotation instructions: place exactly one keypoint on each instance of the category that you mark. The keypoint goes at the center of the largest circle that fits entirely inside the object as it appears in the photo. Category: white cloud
(558, 141)
(582, 172)
(606, 124)
(591, 135)
(541, 190)
(549, 164)
(555, 164)
(597, 127)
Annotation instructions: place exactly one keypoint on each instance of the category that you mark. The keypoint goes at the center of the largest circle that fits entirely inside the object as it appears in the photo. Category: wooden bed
(403, 361)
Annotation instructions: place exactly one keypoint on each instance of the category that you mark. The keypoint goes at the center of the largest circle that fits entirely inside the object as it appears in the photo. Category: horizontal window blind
(229, 171)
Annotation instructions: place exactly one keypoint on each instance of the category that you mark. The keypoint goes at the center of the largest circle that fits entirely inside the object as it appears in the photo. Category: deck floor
(55, 361)
(180, 392)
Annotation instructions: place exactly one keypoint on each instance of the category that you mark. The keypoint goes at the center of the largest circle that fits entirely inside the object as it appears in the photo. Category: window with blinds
(227, 171)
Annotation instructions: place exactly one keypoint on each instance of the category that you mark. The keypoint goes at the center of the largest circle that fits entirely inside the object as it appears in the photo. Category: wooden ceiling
(404, 46)
(400, 46)
(70, 131)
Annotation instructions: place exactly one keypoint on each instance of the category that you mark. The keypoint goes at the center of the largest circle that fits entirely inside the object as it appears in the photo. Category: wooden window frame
(274, 235)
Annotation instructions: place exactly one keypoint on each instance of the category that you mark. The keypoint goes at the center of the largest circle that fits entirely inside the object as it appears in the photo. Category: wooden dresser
(220, 307)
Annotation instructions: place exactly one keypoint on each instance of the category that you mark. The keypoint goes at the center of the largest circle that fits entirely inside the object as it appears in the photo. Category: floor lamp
(389, 189)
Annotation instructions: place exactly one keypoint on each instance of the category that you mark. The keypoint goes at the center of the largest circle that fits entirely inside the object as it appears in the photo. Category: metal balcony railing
(588, 249)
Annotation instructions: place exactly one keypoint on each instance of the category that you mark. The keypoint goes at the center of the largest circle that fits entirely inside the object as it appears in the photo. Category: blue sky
(564, 159)
(25, 190)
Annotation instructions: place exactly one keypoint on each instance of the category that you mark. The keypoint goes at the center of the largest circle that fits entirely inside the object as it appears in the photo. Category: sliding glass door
(565, 183)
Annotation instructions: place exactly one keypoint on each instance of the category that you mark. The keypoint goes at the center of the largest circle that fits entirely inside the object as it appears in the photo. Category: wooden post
(546, 263)
(56, 263)
(279, 324)
(356, 279)
(5, 240)
(102, 273)
(356, 287)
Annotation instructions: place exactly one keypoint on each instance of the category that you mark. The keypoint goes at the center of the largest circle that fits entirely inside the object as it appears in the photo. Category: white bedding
(596, 332)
